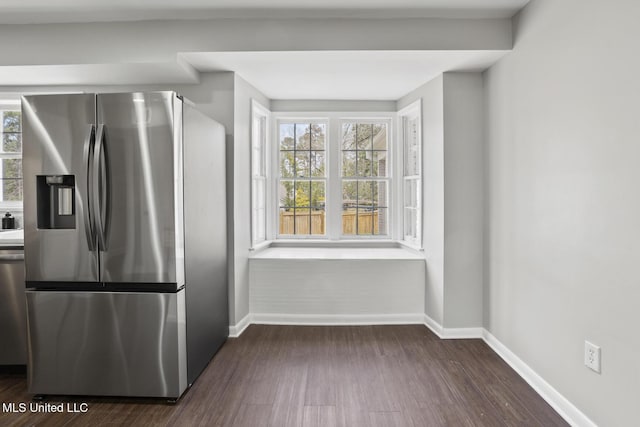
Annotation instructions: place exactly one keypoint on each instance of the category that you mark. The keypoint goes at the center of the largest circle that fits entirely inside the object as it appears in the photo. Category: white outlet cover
(592, 356)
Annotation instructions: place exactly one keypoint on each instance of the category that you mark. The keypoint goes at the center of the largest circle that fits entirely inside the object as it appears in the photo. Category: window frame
(11, 105)
(333, 190)
(412, 111)
(275, 210)
(388, 178)
(259, 113)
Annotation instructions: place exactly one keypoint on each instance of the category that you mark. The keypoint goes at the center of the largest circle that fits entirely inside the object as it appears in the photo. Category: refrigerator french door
(104, 246)
(114, 162)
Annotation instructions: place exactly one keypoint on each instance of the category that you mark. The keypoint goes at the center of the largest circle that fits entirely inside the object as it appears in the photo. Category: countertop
(11, 238)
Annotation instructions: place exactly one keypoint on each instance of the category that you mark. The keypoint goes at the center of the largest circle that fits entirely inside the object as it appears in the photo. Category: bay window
(334, 177)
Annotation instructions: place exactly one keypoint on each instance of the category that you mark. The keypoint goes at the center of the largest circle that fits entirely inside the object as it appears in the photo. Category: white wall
(563, 200)
(241, 216)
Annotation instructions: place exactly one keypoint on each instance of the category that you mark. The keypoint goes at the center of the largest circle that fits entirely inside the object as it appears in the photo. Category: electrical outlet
(592, 356)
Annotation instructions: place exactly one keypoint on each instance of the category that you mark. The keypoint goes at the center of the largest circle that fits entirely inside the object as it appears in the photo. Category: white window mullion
(335, 190)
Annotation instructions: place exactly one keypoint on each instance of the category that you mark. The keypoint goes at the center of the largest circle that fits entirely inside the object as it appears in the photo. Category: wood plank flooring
(346, 376)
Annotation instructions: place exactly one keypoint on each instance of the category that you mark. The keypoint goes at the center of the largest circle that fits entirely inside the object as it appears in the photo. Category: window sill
(344, 250)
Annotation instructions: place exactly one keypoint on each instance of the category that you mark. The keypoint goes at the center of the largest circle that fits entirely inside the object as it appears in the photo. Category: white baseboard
(452, 333)
(236, 330)
(337, 319)
(561, 404)
(435, 327)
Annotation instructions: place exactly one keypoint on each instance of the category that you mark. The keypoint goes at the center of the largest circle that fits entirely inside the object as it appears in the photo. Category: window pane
(11, 121)
(349, 194)
(303, 195)
(365, 220)
(303, 163)
(411, 147)
(379, 136)
(379, 195)
(349, 215)
(11, 168)
(12, 143)
(349, 136)
(286, 221)
(287, 167)
(410, 222)
(318, 136)
(317, 194)
(258, 194)
(286, 136)
(287, 194)
(364, 209)
(318, 220)
(363, 167)
(12, 190)
(369, 222)
(365, 194)
(379, 164)
(317, 164)
(363, 136)
(349, 163)
(380, 224)
(256, 162)
(302, 221)
(303, 136)
(410, 193)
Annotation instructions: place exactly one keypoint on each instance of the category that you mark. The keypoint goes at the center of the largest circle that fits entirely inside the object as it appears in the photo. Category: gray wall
(244, 93)
(463, 199)
(563, 200)
(158, 41)
(432, 98)
(285, 105)
(452, 205)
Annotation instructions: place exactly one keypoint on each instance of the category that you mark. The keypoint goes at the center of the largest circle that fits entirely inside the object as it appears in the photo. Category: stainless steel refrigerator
(125, 243)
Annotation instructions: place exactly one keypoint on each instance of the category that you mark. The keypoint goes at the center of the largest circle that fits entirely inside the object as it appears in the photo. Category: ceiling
(319, 75)
(347, 75)
(58, 11)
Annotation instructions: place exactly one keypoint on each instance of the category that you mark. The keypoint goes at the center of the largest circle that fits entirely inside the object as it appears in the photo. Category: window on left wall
(10, 155)
(259, 189)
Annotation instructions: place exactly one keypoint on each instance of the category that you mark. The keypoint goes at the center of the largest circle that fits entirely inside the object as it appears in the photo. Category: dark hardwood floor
(325, 376)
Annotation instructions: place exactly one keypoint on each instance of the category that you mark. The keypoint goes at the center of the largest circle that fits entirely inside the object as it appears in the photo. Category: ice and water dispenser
(56, 201)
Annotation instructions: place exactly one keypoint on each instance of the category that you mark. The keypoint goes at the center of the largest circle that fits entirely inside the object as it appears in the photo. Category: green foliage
(362, 158)
(11, 121)
(302, 156)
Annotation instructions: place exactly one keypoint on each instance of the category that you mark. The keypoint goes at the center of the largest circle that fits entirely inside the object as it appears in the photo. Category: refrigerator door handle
(89, 227)
(101, 187)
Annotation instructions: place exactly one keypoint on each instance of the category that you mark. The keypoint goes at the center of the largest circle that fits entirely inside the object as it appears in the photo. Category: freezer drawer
(107, 343)
(13, 318)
